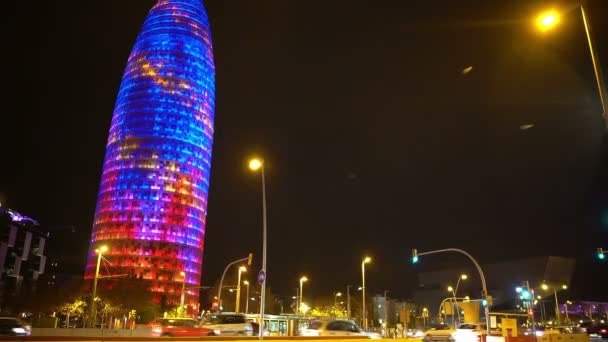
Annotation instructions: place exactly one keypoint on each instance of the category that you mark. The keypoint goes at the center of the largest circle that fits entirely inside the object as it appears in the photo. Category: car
(439, 333)
(230, 324)
(600, 330)
(470, 332)
(332, 327)
(179, 327)
(12, 326)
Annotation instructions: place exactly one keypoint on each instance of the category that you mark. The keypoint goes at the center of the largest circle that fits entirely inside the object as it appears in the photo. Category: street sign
(261, 277)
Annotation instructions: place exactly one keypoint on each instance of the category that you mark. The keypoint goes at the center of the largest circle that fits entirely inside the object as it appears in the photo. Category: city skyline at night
(152, 204)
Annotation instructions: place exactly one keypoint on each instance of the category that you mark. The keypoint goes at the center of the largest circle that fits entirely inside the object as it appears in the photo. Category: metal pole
(557, 316)
(301, 293)
(247, 301)
(219, 290)
(483, 278)
(263, 294)
(385, 314)
(93, 306)
(348, 300)
(237, 305)
(596, 68)
(363, 312)
(183, 297)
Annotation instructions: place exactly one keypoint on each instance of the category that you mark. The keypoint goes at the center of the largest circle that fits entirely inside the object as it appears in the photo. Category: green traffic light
(414, 259)
(601, 256)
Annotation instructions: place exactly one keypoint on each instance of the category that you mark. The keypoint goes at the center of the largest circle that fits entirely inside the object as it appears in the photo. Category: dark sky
(375, 142)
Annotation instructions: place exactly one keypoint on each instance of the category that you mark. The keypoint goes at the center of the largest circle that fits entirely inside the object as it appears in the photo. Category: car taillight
(603, 331)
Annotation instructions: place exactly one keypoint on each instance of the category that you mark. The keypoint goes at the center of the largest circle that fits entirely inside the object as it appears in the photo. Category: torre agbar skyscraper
(152, 202)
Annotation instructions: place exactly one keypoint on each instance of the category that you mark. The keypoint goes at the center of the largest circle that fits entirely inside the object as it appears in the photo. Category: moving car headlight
(217, 331)
(19, 330)
(539, 333)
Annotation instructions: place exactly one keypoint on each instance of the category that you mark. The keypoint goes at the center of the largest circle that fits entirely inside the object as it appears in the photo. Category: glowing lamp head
(547, 20)
(464, 276)
(182, 273)
(255, 164)
(243, 269)
(544, 287)
(450, 289)
(303, 279)
(564, 287)
(339, 294)
(102, 249)
(367, 260)
(245, 282)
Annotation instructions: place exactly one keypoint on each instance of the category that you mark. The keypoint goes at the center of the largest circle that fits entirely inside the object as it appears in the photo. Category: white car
(332, 328)
(439, 333)
(229, 324)
(469, 332)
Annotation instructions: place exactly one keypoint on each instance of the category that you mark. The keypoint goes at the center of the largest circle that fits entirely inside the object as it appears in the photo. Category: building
(152, 202)
(391, 311)
(22, 255)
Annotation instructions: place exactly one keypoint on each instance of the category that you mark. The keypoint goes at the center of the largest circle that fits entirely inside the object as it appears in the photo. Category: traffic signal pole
(484, 295)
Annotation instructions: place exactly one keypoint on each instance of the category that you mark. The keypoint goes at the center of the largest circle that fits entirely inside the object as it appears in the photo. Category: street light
(549, 20)
(237, 306)
(247, 296)
(338, 294)
(256, 164)
(99, 252)
(546, 288)
(183, 295)
(302, 280)
(366, 260)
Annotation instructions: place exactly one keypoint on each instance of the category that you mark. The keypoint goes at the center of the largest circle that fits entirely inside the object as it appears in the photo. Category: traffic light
(484, 302)
(525, 294)
(249, 259)
(414, 256)
(600, 254)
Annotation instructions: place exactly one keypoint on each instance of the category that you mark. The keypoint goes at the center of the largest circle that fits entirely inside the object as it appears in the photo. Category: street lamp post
(258, 164)
(336, 295)
(546, 287)
(247, 297)
(237, 306)
(99, 252)
(183, 295)
(348, 300)
(302, 280)
(454, 293)
(548, 20)
(366, 260)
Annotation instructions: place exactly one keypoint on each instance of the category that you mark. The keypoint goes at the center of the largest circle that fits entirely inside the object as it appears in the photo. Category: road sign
(261, 277)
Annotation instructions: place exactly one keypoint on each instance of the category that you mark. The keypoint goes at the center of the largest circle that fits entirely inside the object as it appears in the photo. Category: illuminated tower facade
(152, 201)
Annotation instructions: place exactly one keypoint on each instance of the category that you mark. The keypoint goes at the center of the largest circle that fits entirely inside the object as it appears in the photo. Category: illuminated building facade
(152, 201)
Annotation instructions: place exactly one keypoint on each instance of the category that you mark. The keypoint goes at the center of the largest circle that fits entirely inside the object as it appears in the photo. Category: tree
(74, 309)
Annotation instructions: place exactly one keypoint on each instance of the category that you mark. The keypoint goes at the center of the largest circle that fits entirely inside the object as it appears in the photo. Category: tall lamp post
(546, 288)
(454, 293)
(237, 306)
(302, 281)
(247, 296)
(182, 299)
(366, 260)
(99, 252)
(547, 20)
(258, 164)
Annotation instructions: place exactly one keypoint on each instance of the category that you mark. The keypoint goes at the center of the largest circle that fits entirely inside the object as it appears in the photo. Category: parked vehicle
(11, 326)
(179, 327)
(439, 333)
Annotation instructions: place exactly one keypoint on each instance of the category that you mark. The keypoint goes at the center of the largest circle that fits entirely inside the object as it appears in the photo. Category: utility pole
(348, 301)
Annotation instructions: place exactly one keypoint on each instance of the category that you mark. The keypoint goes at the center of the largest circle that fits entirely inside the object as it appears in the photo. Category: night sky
(375, 141)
